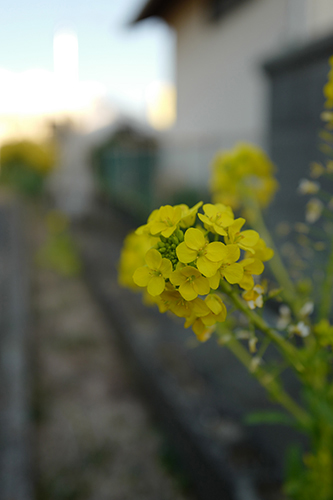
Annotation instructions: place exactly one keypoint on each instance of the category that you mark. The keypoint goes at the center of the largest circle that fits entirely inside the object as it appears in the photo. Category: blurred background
(108, 110)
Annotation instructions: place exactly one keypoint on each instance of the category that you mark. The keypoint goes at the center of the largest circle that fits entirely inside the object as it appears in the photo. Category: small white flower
(307, 309)
(284, 318)
(255, 362)
(308, 187)
(313, 210)
(300, 329)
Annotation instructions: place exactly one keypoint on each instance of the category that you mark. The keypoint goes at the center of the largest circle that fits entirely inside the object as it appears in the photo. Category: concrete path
(95, 439)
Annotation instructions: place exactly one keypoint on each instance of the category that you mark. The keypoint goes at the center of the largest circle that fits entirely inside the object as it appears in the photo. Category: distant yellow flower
(190, 281)
(324, 332)
(246, 171)
(154, 274)
(328, 88)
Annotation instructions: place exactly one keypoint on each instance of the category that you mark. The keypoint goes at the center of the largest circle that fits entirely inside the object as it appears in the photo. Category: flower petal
(216, 251)
(166, 267)
(233, 273)
(201, 285)
(214, 281)
(255, 267)
(214, 303)
(194, 239)
(156, 227)
(187, 291)
(247, 282)
(232, 253)
(207, 267)
(153, 258)
(141, 276)
(177, 278)
(249, 238)
(186, 254)
(156, 285)
(168, 231)
(236, 227)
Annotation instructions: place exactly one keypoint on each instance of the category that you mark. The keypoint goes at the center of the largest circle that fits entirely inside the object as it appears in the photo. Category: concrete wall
(222, 92)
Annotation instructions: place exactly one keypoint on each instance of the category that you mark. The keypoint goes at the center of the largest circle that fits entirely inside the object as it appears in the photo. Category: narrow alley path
(95, 439)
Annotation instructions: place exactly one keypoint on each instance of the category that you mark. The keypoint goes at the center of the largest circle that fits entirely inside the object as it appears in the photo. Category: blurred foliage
(25, 165)
(59, 252)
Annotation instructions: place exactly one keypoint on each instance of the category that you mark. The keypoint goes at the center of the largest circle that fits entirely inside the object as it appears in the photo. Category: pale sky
(122, 59)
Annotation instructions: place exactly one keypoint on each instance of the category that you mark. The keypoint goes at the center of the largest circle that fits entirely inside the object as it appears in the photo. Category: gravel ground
(94, 436)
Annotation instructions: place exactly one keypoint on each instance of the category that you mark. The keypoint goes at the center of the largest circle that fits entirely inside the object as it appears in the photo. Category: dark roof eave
(155, 8)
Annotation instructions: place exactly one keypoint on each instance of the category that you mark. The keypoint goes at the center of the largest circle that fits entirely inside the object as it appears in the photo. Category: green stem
(327, 289)
(269, 383)
(284, 346)
(276, 264)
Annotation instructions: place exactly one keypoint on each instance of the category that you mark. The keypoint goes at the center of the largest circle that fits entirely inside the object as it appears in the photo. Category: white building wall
(320, 17)
(222, 92)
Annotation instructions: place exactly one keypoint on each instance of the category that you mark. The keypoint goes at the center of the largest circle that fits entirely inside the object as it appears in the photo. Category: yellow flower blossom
(188, 215)
(246, 171)
(254, 297)
(246, 240)
(217, 310)
(196, 247)
(214, 312)
(202, 331)
(261, 251)
(133, 256)
(190, 281)
(217, 218)
(163, 221)
(171, 300)
(229, 268)
(250, 266)
(154, 274)
(166, 221)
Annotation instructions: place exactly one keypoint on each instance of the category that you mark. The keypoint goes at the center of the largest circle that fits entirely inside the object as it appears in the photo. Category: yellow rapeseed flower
(188, 215)
(250, 266)
(165, 221)
(246, 240)
(190, 281)
(133, 256)
(154, 274)
(196, 247)
(217, 218)
(241, 173)
(229, 268)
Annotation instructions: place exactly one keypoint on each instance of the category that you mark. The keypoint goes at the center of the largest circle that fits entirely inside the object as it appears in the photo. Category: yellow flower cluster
(242, 173)
(180, 264)
(39, 157)
(328, 88)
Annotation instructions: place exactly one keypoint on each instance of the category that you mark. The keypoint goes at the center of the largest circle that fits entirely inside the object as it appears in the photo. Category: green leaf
(268, 417)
